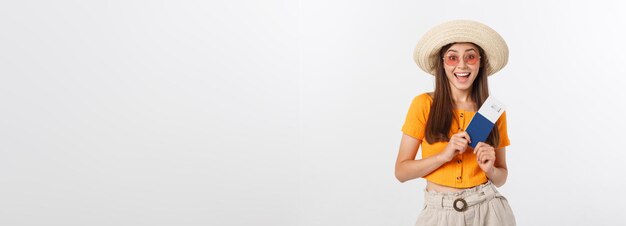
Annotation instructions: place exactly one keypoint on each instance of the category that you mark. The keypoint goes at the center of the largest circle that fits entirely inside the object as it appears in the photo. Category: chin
(462, 87)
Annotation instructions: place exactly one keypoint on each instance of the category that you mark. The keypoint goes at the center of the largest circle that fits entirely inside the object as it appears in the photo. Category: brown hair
(442, 110)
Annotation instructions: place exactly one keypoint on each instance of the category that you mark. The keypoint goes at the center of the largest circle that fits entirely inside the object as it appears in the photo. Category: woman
(461, 181)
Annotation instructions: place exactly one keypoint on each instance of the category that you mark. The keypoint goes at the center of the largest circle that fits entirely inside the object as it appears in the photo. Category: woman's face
(461, 63)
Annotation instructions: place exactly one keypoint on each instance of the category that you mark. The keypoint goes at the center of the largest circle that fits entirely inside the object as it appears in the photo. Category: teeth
(462, 74)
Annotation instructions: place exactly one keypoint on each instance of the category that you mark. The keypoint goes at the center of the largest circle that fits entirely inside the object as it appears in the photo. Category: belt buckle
(454, 204)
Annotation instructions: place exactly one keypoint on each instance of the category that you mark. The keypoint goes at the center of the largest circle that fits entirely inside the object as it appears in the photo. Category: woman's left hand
(485, 155)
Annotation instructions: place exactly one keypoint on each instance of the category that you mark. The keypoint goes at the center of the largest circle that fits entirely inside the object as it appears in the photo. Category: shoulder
(501, 122)
(422, 102)
(502, 118)
(424, 98)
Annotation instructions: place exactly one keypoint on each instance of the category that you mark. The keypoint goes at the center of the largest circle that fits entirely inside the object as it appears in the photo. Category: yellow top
(463, 171)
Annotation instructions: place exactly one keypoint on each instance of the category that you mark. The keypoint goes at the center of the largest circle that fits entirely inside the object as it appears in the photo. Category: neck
(461, 96)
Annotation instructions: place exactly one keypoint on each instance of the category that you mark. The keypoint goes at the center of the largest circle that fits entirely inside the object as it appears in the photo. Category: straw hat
(426, 52)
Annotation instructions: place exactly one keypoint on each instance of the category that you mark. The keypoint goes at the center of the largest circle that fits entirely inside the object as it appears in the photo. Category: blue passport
(480, 126)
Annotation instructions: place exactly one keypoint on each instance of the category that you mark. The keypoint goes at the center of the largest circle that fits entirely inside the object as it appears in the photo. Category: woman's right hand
(457, 145)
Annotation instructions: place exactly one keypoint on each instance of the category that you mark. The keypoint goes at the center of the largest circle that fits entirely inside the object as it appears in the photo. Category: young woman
(461, 181)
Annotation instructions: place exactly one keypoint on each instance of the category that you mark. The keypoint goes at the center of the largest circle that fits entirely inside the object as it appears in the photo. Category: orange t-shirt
(463, 171)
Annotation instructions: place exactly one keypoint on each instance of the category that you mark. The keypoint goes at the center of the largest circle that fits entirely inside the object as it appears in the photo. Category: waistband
(461, 200)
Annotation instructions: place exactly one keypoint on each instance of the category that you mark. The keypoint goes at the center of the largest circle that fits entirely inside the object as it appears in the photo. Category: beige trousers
(480, 205)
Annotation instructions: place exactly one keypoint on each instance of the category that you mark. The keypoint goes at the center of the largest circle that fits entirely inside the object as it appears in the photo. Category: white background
(289, 112)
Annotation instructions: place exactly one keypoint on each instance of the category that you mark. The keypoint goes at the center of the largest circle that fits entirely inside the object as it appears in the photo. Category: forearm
(497, 176)
(411, 169)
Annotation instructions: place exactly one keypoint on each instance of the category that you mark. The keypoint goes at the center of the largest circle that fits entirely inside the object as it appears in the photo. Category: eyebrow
(467, 50)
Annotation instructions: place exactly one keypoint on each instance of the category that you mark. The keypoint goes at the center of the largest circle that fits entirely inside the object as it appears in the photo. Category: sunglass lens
(471, 59)
(451, 60)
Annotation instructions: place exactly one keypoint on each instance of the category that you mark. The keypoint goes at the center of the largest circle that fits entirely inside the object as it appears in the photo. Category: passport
(483, 121)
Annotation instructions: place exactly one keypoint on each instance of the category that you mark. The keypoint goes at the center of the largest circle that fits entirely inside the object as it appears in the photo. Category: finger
(462, 143)
(458, 145)
(483, 145)
(457, 137)
(465, 135)
(485, 151)
(462, 150)
(491, 157)
(479, 148)
(488, 157)
(480, 145)
(484, 148)
(461, 139)
(481, 157)
(463, 147)
(489, 150)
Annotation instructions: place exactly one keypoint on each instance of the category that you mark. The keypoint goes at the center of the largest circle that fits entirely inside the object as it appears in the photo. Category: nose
(462, 63)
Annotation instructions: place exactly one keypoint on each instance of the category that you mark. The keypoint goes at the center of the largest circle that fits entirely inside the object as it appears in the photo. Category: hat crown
(426, 52)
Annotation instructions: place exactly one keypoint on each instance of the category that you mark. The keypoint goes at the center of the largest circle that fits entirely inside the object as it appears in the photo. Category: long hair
(442, 110)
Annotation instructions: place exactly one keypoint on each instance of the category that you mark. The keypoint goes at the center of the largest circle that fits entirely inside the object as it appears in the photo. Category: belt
(460, 201)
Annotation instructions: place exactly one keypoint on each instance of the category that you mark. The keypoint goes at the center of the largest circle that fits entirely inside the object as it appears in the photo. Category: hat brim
(426, 52)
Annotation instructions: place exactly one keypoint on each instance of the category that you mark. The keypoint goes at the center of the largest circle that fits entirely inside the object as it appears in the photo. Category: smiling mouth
(462, 77)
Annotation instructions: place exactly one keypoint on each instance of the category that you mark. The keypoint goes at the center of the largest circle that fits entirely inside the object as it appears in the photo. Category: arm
(499, 173)
(407, 167)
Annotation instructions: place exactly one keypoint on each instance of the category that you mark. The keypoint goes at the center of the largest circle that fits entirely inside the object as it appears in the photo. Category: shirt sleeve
(504, 136)
(416, 117)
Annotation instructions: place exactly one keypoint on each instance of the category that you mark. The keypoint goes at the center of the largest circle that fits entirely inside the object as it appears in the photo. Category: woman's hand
(486, 156)
(457, 145)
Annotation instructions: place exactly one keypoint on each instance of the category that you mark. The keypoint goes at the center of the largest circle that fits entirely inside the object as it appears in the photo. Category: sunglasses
(453, 59)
